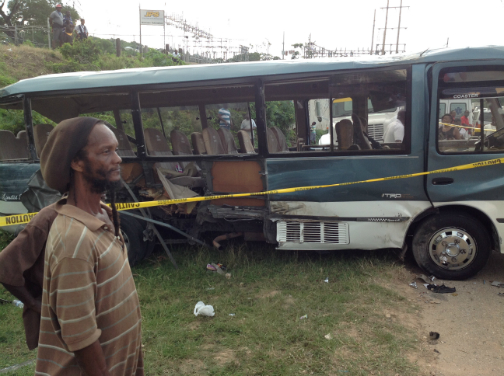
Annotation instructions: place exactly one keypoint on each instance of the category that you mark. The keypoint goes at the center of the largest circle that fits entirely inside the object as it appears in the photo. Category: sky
(336, 24)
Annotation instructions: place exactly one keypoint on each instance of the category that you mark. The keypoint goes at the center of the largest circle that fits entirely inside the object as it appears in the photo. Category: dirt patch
(191, 367)
(225, 356)
(469, 323)
(269, 294)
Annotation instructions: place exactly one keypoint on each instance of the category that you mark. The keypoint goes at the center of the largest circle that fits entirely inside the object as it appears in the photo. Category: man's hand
(91, 360)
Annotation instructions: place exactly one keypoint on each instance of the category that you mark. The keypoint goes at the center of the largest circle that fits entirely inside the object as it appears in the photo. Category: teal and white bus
(186, 131)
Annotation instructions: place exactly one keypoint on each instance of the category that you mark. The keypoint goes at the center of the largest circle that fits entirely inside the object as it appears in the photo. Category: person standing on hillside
(56, 22)
(91, 320)
(82, 32)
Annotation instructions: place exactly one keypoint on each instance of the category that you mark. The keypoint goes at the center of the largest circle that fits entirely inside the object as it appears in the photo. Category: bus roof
(194, 73)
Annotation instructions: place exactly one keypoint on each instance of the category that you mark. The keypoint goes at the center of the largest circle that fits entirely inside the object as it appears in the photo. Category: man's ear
(77, 165)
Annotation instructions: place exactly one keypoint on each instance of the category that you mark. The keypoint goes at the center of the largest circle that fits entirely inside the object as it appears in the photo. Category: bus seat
(282, 142)
(12, 147)
(213, 143)
(245, 142)
(273, 146)
(358, 135)
(124, 149)
(156, 143)
(180, 143)
(344, 133)
(22, 135)
(227, 141)
(198, 143)
(40, 136)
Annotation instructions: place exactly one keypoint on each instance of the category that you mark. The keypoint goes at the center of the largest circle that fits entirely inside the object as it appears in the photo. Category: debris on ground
(426, 279)
(441, 289)
(497, 284)
(328, 336)
(219, 268)
(500, 294)
(232, 314)
(303, 317)
(433, 336)
(203, 309)
(414, 285)
(436, 351)
(326, 280)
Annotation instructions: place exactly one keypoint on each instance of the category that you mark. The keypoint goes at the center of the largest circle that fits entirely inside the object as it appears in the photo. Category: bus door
(456, 141)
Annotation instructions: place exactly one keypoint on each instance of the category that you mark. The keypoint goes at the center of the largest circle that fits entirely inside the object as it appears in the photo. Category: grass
(268, 292)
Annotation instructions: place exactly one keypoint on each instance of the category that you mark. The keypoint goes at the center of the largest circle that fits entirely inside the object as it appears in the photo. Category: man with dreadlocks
(90, 310)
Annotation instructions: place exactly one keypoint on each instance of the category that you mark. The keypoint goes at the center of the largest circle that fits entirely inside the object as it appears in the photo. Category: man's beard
(98, 181)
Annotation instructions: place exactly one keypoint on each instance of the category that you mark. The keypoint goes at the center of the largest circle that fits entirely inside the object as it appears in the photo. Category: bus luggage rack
(312, 232)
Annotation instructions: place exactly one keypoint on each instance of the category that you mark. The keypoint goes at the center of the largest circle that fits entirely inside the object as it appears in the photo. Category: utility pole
(392, 28)
(283, 46)
(372, 35)
(385, 30)
(398, 28)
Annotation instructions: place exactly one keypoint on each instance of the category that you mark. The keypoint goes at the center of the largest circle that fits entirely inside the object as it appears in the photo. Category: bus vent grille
(312, 232)
(376, 131)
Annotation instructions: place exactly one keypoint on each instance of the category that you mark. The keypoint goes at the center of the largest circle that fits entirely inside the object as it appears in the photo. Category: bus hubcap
(452, 248)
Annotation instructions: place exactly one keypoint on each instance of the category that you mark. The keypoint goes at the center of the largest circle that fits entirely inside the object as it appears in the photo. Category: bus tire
(451, 245)
(132, 232)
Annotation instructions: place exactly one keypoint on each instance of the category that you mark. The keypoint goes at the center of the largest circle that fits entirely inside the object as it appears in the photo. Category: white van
(377, 121)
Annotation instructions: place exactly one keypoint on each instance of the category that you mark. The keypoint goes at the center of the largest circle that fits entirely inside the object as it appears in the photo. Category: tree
(295, 55)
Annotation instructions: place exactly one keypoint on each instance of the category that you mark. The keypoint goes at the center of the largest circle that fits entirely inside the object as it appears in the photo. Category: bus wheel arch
(453, 243)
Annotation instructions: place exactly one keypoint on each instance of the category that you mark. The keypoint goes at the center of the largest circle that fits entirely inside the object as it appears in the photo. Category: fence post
(118, 47)
(48, 33)
(15, 35)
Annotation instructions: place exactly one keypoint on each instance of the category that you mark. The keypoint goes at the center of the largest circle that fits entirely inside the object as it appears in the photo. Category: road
(470, 323)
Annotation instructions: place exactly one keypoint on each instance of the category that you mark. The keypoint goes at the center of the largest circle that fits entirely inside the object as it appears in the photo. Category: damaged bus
(191, 131)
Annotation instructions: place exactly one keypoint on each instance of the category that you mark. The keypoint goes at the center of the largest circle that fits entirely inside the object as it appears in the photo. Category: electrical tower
(202, 42)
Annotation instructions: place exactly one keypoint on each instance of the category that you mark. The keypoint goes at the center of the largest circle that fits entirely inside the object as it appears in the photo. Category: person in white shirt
(245, 125)
(82, 31)
(395, 131)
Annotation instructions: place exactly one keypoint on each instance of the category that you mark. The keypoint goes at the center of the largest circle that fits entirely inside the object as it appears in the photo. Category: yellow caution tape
(25, 218)
(465, 127)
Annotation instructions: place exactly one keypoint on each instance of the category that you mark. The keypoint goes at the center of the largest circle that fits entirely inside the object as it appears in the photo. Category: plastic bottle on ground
(18, 303)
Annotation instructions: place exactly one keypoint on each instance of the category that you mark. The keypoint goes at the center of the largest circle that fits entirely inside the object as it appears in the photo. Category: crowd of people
(460, 130)
(64, 29)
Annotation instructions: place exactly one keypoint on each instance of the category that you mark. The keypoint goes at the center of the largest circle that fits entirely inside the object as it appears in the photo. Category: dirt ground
(470, 323)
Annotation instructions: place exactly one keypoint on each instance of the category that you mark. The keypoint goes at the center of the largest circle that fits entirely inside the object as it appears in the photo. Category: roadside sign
(152, 17)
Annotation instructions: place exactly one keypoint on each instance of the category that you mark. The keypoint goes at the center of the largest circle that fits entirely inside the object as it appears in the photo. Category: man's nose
(117, 159)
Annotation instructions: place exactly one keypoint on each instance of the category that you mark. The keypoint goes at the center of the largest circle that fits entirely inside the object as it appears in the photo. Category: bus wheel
(451, 245)
(132, 233)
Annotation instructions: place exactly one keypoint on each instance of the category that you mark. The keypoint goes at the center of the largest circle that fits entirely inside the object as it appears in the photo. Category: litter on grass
(303, 317)
(326, 280)
(328, 336)
(414, 285)
(434, 335)
(497, 284)
(203, 310)
(232, 314)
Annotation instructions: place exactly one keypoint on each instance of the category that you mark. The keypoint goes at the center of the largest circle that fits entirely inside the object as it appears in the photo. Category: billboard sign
(152, 17)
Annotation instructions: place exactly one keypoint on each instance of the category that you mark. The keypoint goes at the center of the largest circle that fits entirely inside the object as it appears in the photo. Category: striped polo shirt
(88, 295)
